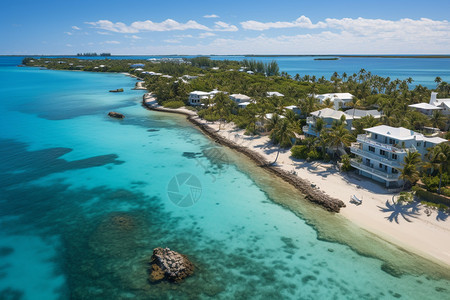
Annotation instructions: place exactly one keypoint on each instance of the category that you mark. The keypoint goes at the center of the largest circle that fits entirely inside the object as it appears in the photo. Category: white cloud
(112, 42)
(206, 34)
(222, 26)
(68, 45)
(302, 22)
(103, 33)
(211, 16)
(68, 33)
(139, 26)
(183, 36)
(76, 28)
(172, 41)
(134, 37)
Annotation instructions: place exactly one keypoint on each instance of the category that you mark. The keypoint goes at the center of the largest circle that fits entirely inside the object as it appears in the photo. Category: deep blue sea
(422, 70)
(84, 199)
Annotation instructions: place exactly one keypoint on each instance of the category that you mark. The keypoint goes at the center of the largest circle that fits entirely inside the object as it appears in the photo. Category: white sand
(427, 236)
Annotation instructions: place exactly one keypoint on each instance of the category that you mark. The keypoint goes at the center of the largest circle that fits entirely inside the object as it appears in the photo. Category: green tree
(409, 172)
(438, 160)
(282, 134)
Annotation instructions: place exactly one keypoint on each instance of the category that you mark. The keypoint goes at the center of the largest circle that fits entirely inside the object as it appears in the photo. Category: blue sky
(225, 27)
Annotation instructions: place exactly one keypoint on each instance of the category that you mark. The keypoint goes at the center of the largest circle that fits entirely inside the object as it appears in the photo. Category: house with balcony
(197, 97)
(381, 150)
(329, 116)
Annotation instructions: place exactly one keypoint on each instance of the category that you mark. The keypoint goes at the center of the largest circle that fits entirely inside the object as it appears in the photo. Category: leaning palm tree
(409, 172)
(439, 160)
(283, 135)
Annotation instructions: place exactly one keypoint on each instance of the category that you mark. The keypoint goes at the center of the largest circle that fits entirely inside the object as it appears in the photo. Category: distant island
(93, 54)
(327, 58)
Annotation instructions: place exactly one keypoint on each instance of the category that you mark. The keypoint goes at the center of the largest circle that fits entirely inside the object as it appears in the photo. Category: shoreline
(311, 194)
(322, 184)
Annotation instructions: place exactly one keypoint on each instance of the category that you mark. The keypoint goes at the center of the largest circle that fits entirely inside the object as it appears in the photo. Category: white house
(329, 116)
(435, 104)
(196, 97)
(340, 100)
(272, 94)
(381, 150)
(238, 98)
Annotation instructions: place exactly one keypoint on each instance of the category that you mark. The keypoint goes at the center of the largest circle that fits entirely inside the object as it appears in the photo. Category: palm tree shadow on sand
(396, 210)
(441, 216)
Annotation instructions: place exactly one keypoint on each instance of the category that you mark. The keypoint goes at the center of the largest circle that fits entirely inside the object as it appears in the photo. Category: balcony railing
(359, 151)
(310, 120)
(383, 175)
(362, 138)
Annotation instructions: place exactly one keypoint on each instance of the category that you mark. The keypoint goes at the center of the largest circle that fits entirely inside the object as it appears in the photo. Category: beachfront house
(359, 113)
(240, 98)
(196, 97)
(381, 150)
(339, 100)
(329, 116)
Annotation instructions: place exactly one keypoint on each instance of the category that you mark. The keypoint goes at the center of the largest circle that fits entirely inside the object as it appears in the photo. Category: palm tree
(437, 119)
(339, 138)
(282, 134)
(438, 80)
(439, 160)
(409, 172)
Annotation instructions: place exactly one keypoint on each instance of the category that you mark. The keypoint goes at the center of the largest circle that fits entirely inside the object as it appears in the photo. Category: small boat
(354, 199)
(116, 91)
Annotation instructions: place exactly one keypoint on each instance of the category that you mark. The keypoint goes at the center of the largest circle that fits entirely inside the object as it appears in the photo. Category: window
(382, 152)
(376, 136)
(394, 171)
(418, 144)
(381, 166)
(394, 156)
(391, 141)
(371, 149)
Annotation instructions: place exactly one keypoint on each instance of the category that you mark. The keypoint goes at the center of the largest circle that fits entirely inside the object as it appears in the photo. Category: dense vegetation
(391, 96)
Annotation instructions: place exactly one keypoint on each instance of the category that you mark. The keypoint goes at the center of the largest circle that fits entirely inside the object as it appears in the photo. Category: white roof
(402, 134)
(291, 107)
(359, 113)
(331, 113)
(270, 115)
(424, 106)
(271, 94)
(244, 103)
(240, 96)
(200, 93)
(332, 96)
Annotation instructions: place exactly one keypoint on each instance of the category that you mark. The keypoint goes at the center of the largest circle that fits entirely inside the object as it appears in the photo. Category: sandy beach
(422, 231)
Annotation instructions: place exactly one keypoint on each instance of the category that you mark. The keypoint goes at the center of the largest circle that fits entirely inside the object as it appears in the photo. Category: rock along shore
(316, 196)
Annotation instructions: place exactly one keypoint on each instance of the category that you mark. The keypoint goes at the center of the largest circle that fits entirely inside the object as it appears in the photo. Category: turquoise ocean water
(84, 200)
(422, 70)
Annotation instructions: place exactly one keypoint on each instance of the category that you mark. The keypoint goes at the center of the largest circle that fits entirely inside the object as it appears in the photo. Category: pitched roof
(399, 133)
(359, 113)
(330, 113)
(424, 106)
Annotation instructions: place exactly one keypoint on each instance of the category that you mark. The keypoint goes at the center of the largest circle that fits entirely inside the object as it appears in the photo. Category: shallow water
(69, 174)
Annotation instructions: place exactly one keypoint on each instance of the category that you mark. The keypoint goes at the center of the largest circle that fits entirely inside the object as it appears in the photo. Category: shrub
(173, 104)
(314, 155)
(299, 151)
(405, 197)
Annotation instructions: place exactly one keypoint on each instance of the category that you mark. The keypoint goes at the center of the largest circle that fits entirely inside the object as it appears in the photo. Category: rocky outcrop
(169, 265)
(116, 115)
